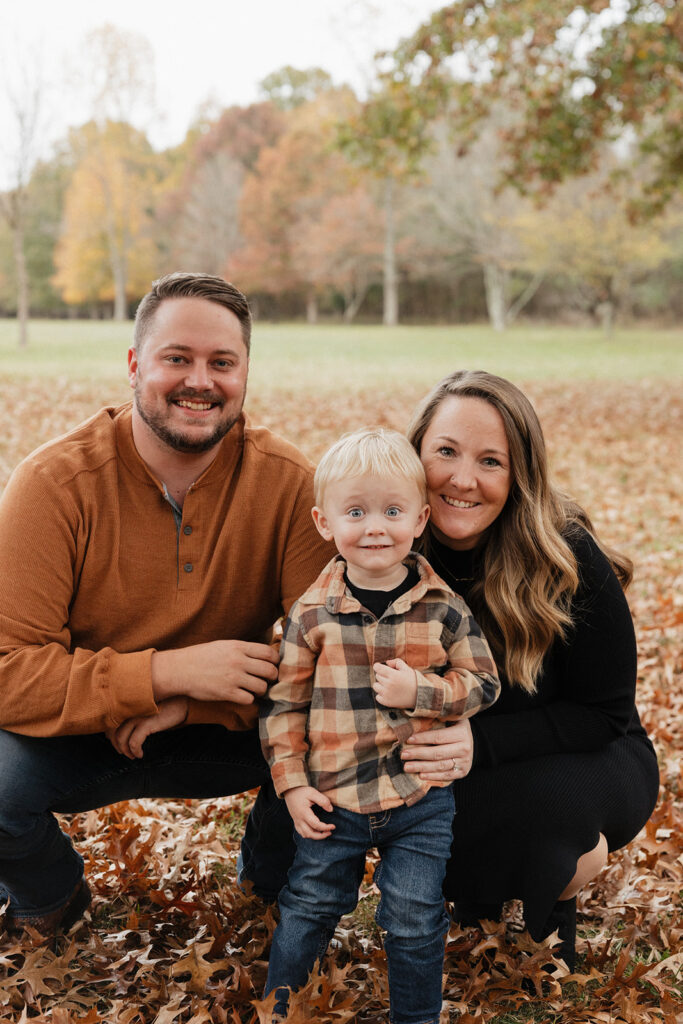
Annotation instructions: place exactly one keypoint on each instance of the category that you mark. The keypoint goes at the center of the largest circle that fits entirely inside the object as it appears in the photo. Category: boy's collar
(330, 588)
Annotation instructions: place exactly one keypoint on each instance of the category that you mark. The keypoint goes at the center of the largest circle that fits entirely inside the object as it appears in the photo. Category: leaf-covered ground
(170, 939)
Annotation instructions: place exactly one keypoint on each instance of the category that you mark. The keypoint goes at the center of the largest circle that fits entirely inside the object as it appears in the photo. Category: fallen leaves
(171, 940)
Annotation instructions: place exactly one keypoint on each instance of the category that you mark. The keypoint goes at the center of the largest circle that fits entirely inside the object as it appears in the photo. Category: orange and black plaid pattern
(320, 723)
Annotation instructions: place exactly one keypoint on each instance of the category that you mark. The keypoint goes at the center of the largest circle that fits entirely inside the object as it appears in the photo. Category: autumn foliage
(171, 939)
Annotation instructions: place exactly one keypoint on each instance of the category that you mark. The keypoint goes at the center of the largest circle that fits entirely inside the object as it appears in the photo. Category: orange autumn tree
(199, 213)
(342, 249)
(285, 202)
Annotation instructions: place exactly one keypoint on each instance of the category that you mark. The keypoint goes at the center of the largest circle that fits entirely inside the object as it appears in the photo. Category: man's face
(190, 376)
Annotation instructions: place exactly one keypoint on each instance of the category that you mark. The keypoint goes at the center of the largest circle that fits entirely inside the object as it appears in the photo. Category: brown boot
(59, 920)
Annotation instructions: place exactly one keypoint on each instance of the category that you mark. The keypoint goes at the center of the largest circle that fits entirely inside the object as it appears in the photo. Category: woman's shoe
(563, 921)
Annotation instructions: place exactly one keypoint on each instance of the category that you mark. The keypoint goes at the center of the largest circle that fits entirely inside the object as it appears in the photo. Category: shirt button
(187, 530)
(188, 567)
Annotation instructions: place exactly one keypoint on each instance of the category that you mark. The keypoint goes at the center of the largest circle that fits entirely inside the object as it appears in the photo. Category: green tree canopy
(575, 75)
(290, 87)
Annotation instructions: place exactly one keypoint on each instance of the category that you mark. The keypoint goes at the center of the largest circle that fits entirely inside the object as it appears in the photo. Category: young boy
(376, 649)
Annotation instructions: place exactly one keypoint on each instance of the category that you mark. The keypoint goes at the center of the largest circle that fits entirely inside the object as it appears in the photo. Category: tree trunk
(311, 308)
(353, 303)
(118, 256)
(495, 280)
(605, 311)
(390, 318)
(22, 280)
(120, 304)
(526, 296)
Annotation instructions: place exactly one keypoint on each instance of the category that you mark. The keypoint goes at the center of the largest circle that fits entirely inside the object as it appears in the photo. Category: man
(145, 557)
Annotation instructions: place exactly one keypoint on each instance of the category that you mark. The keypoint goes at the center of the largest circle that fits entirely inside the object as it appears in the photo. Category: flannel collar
(330, 590)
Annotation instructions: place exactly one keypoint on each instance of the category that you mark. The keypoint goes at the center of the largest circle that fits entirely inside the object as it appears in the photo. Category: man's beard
(177, 440)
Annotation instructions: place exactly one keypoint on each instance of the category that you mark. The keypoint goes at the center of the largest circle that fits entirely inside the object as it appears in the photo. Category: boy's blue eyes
(358, 513)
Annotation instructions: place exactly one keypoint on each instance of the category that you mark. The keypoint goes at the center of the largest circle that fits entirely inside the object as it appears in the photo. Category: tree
(290, 87)
(198, 216)
(207, 227)
(45, 200)
(114, 71)
(288, 191)
(106, 250)
(23, 91)
(106, 245)
(587, 238)
(387, 136)
(578, 74)
(342, 248)
(463, 219)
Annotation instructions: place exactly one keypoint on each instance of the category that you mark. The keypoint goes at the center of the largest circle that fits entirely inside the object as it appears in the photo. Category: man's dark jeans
(39, 868)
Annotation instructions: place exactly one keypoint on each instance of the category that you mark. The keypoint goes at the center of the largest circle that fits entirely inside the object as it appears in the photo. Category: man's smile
(196, 406)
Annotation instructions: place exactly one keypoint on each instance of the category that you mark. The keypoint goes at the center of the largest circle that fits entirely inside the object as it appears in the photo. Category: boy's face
(373, 523)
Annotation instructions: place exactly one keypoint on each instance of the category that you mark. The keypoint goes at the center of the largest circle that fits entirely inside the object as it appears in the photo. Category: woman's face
(466, 457)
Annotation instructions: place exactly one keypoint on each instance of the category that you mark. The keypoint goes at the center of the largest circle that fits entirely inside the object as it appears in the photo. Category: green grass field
(332, 357)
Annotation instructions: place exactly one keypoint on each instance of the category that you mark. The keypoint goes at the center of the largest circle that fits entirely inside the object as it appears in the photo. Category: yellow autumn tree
(106, 251)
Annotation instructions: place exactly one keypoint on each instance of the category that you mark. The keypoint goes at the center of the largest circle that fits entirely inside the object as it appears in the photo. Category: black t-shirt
(377, 601)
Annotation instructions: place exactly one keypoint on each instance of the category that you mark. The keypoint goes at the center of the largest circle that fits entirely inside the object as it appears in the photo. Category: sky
(219, 51)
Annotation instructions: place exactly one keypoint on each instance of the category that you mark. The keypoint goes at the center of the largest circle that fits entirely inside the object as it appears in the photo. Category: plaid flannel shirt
(320, 723)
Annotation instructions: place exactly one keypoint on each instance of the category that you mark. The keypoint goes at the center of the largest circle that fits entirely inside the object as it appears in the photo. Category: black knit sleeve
(586, 694)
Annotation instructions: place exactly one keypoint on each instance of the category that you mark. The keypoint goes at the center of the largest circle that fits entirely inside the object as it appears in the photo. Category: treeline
(321, 206)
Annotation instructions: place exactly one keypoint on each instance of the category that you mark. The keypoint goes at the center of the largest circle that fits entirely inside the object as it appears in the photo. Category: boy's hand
(130, 736)
(300, 802)
(395, 684)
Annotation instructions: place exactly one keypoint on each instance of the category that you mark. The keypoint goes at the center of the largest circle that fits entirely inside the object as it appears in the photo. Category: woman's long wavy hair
(529, 573)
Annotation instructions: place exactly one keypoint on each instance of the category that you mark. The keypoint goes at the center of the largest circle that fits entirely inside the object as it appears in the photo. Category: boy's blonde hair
(371, 452)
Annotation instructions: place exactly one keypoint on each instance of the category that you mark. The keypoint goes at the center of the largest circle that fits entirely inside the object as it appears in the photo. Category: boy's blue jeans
(39, 867)
(414, 844)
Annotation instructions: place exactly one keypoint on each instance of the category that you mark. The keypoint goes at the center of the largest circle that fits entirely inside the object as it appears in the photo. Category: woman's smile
(466, 458)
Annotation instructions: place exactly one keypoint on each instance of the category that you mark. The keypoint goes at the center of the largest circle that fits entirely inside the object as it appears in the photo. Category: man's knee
(20, 796)
(36, 774)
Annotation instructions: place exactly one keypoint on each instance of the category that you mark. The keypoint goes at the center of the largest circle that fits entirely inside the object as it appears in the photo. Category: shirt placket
(188, 554)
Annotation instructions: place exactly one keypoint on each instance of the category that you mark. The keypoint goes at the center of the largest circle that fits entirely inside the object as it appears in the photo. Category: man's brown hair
(182, 285)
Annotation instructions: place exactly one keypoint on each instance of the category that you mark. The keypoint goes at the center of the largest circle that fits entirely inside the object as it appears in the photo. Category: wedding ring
(455, 767)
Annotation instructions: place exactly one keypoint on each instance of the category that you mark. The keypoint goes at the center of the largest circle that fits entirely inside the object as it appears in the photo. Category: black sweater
(585, 695)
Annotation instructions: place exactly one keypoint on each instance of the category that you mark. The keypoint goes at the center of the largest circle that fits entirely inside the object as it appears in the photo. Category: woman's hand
(440, 755)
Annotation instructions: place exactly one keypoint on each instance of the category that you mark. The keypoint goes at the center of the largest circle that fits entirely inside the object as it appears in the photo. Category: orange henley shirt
(95, 576)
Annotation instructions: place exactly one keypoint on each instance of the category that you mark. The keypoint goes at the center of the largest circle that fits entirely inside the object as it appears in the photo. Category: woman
(562, 769)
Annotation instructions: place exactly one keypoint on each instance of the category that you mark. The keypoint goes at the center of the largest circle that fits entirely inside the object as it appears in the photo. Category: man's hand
(300, 802)
(130, 736)
(233, 670)
(395, 684)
